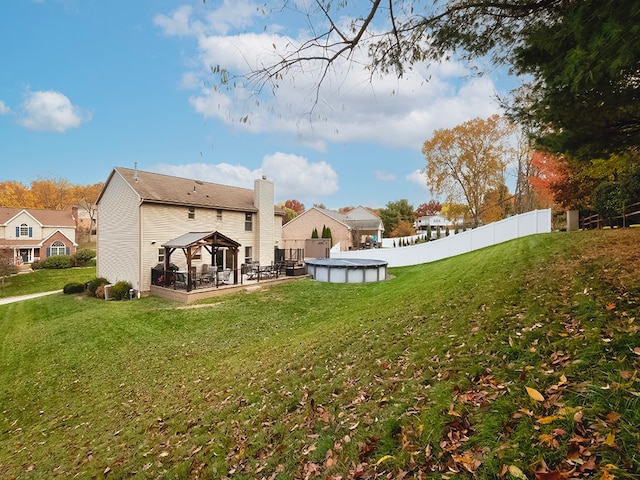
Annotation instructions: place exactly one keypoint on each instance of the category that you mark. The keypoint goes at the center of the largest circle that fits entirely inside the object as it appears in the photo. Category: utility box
(573, 220)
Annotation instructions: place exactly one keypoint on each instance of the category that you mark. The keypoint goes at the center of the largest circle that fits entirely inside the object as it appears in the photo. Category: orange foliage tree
(428, 209)
(16, 195)
(467, 161)
(52, 194)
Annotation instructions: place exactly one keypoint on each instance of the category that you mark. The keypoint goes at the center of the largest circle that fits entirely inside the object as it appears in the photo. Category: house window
(161, 255)
(24, 230)
(192, 213)
(248, 254)
(248, 222)
(219, 214)
(57, 248)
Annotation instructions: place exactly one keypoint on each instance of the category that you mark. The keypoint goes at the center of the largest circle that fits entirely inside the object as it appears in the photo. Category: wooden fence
(623, 218)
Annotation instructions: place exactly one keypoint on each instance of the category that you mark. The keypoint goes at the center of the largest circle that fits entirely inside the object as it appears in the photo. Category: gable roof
(359, 218)
(170, 190)
(46, 218)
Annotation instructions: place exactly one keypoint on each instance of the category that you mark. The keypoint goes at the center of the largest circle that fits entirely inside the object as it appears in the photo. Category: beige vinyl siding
(162, 223)
(118, 233)
(37, 233)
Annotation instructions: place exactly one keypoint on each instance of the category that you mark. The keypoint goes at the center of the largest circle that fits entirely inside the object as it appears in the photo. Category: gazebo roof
(192, 239)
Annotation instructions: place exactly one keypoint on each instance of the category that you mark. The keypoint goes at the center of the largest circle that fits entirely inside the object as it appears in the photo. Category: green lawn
(44, 280)
(421, 376)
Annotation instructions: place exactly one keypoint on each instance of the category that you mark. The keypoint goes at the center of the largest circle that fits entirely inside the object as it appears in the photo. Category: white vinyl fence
(538, 221)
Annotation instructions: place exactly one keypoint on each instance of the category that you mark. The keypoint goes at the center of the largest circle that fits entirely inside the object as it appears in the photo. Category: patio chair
(252, 270)
(223, 276)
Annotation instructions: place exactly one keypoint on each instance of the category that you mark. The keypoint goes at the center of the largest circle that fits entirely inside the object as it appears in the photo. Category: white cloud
(182, 22)
(352, 106)
(50, 111)
(418, 178)
(4, 109)
(293, 176)
(179, 23)
(385, 176)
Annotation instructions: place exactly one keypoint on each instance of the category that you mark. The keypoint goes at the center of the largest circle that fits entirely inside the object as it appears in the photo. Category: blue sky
(87, 85)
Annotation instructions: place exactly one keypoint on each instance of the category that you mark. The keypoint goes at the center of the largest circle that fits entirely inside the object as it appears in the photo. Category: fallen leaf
(607, 475)
(516, 472)
(636, 350)
(535, 394)
(384, 459)
(611, 439)
(613, 417)
(611, 306)
(549, 419)
(553, 475)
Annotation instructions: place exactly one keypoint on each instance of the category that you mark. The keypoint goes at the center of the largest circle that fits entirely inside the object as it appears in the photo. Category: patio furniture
(223, 276)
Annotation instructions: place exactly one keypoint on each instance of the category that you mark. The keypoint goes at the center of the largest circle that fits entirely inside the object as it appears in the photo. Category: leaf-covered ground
(516, 361)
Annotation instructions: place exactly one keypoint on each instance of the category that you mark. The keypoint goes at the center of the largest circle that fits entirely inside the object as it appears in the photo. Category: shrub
(36, 265)
(120, 291)
(7, 269)
(57, 262)
(100, 291)
(93, 285)
(73, 287)
(82, 258)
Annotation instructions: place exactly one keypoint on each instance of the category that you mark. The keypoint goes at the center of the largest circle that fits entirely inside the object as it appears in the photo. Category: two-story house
(140, 214)
(31, 234)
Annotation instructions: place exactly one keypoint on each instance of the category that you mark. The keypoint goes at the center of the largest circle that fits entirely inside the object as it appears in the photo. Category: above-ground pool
(344, 270)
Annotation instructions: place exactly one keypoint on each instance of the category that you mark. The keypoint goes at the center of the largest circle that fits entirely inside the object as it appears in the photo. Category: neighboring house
(29, 234)
(86, 225)
(139, 212)
(351, 230)
(434, 221)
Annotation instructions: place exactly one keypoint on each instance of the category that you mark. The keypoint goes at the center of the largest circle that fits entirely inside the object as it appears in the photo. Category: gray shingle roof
(167, 189)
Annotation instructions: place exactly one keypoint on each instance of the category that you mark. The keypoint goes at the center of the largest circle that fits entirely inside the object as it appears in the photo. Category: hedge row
(95, 288)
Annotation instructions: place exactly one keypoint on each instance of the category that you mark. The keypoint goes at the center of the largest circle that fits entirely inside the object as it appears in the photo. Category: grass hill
(516, 361)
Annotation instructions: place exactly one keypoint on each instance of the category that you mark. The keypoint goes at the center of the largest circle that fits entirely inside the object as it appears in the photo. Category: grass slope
(512, 360)
(45, 280)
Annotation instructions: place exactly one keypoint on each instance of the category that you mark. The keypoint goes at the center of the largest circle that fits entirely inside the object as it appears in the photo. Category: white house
(139, 213)
(434, 221)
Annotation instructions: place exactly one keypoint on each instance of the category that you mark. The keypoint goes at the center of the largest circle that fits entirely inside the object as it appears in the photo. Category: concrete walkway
(26, 297)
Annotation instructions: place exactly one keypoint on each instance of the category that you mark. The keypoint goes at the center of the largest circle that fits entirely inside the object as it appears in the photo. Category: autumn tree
(16, 195)
(547, 175)
(52, 194)
(467, 161)
(397, 211)
(85, 198)
(403, 229)
(456, 212)
(497, 204)
(431, 208)
(294, 205)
